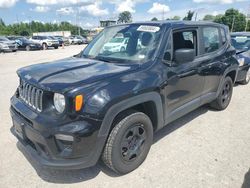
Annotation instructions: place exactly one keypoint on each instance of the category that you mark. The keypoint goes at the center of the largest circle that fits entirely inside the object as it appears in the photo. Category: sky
(88, 13)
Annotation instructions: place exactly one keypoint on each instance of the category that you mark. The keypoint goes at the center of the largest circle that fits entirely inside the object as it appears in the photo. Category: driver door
(185, 84)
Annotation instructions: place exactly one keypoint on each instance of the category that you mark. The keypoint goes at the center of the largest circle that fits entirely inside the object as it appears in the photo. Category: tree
(125, 17)
(235, 20)
(189, 16)
(218, 18)
(176, 18)
(154, 19)
(209, 17)
(2, 22)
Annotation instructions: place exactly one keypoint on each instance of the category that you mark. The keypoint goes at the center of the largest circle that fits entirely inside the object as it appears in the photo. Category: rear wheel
(247, 78)
(56, 47)
(224, 98)
(128, 143)
(27, 48)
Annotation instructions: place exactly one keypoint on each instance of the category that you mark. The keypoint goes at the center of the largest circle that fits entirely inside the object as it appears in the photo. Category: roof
(177, 23)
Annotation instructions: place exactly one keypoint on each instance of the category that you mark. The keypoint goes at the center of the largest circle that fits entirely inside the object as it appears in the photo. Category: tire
(27, 48)
(128, 143)
(247, 78)
(56, 47)
(122, 49)
(225, 96)
(45, 46)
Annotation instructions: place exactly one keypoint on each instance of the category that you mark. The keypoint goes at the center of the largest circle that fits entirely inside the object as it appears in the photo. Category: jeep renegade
(108, 104)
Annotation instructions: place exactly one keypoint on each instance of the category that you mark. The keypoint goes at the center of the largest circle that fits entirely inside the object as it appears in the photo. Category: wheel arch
(148, 103)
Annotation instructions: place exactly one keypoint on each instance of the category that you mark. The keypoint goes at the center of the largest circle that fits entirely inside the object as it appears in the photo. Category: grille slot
(31, 95)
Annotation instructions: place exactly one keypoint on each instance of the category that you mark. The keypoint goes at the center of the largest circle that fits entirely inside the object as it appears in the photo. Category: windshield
(141, 42)
(241, 42)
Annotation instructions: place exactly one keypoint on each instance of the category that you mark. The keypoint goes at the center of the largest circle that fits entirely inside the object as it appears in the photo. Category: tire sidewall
(27, 48)
(118, 163)
(227, 80)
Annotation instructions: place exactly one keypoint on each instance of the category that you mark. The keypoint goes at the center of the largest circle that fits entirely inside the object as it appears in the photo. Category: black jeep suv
(108, 103)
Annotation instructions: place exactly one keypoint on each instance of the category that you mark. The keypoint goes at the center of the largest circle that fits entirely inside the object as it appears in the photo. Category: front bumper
(242, 72)
(43, 145)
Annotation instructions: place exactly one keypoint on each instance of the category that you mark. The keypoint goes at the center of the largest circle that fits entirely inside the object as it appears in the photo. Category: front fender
(114, 110)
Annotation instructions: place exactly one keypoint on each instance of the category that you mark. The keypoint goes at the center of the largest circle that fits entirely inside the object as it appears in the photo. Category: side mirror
(184, 55)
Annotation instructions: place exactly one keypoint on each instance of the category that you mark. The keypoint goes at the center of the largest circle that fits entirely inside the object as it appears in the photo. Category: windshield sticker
(148, 28)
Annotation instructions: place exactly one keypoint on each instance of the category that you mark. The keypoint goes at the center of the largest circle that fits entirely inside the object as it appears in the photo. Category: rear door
(213, 48)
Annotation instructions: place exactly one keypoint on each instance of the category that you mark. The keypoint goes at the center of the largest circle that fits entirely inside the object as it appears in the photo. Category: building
(106, 23)
(54, 33)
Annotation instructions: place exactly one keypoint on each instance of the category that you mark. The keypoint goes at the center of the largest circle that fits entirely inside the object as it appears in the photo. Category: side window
(223, 36)
(211, 39)
(185, 39)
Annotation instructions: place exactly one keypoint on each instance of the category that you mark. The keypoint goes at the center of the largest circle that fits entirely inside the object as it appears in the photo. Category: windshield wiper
(100, 58)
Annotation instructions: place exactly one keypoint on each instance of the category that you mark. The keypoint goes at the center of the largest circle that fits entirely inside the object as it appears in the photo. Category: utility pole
(163, 14)
(232, 28)
(196, 14)
(246, 24)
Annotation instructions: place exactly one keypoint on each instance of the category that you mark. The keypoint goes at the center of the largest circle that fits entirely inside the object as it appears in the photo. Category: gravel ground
(203, 149)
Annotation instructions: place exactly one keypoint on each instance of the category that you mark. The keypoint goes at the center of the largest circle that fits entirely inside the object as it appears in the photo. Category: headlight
(59, 102)
(241, 62)
(4, 45)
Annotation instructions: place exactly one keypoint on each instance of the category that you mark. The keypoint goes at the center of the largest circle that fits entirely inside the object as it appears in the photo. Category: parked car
(70, 113)
(26, 44)
(241, 41)
(46, 41)
(118, 44)
(7, 45)
(64, 40)
(60, 41)
(78, 40)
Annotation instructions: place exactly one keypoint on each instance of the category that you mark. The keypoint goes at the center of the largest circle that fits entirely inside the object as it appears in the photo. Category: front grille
(31, 95)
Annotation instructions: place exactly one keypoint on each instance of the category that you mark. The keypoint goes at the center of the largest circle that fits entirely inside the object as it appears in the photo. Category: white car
(7, 45)
(118, 44)
(46, 42)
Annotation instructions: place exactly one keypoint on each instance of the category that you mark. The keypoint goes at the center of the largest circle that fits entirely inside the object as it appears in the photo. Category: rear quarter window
(211, 38)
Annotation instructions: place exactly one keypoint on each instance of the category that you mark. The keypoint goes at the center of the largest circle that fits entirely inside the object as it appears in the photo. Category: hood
(66, 74)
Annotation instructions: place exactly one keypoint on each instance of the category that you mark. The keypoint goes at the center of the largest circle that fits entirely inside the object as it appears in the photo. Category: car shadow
(75, 176)
(246, 183)
(66, 176)
(179, 123)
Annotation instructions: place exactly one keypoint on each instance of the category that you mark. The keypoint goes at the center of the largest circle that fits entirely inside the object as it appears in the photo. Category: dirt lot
(203, 149)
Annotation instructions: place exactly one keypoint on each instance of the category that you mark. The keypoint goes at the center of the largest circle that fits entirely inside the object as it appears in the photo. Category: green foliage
(189, 16)
(26, 29)
(176, 18)
(209, 17)
(154, 19)
(232, 18)
(125, 17)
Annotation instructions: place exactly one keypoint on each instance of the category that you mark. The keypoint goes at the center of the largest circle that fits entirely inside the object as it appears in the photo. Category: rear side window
(211, 39)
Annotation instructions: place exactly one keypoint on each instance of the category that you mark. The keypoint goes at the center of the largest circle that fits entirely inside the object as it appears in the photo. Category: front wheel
(128, 143)
(224, 98)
